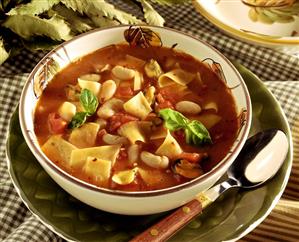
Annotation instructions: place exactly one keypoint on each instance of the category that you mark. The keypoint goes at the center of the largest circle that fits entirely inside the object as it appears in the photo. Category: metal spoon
(259, 160)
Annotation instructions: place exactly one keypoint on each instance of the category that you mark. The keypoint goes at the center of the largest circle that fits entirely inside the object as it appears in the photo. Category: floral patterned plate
(271, 23)
(229, 218)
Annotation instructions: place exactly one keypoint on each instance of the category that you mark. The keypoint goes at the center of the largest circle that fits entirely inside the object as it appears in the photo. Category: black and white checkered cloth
(279, 71)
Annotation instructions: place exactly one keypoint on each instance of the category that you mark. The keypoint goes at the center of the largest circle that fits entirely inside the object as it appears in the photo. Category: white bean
(155, 161)
(188, 107)
(133, 153)
(67, 111)
(90, 77)
(114, 139)
(150, 94)
(110, 107)
(107, 91)
(123, 73)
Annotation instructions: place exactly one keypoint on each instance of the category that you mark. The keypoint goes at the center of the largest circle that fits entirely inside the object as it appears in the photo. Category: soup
(135, 119)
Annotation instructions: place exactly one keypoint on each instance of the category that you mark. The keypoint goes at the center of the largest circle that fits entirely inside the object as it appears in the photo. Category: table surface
(279, 71)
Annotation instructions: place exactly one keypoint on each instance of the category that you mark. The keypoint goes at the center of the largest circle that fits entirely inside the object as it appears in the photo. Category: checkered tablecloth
(279, 71)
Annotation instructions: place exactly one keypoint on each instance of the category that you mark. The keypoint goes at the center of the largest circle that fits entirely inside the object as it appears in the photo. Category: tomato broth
(143, 122)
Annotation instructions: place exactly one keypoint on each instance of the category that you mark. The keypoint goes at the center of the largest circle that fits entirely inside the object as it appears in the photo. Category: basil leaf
(197, 134)
(173, 119)
(89, 101)
(77, 120)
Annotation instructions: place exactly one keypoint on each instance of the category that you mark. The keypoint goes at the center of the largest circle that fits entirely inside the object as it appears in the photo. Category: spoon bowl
(260, 159)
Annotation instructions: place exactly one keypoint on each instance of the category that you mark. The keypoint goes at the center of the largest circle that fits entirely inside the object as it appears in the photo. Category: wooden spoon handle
(168, 226)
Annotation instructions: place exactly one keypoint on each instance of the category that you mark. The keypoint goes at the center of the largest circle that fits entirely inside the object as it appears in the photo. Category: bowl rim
(42, 158)
(252, 38)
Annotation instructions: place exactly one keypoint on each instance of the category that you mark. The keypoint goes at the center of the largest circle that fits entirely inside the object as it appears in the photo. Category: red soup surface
(134, 119)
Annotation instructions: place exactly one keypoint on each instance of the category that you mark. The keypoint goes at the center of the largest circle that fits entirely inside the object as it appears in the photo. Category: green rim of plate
(230, 217)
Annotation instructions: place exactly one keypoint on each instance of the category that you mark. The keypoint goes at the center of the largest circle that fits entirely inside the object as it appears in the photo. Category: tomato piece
(192, 157)
(101, 133)
(114, 126)
(124, 92)
(163, 102)
(56, 124)
(166, 104)
(118, 120)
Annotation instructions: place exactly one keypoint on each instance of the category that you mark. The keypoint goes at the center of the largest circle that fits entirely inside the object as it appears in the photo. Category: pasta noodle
(107, 152)
(85, 136)
(178, 76)
(135, 131)
(58, 149)
(125, 177)
(138, 106)
(98, 169)
(170, 147)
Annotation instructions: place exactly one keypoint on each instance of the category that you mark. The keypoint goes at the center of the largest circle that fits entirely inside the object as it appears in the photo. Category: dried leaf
(151, 15)
(100, 7)
(3, 53)
(28, 26)
(35, 7)
(77, 23)
(101, 21)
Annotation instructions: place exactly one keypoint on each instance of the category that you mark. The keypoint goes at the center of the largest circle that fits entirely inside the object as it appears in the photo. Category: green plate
(230, 217)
